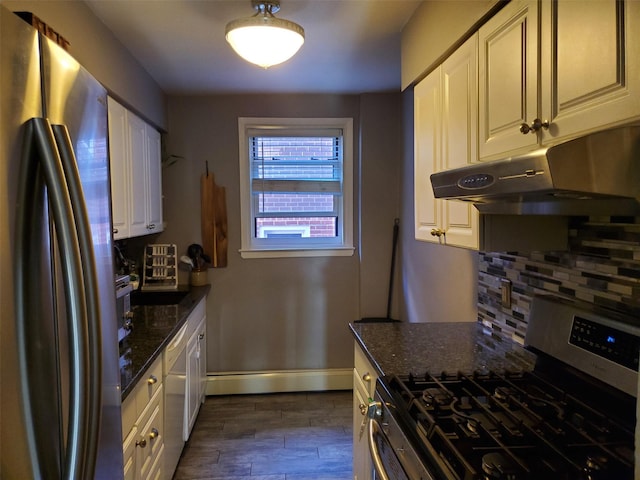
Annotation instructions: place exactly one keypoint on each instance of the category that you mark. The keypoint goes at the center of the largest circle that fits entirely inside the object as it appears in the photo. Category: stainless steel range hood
(598, 174)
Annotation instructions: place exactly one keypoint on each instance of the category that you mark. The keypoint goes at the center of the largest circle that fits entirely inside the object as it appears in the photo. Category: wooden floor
(291, 436)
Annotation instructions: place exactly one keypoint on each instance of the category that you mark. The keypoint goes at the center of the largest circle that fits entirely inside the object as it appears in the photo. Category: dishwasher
(175, 366)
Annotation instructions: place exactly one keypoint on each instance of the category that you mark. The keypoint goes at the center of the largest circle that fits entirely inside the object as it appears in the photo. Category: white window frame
(250, 248)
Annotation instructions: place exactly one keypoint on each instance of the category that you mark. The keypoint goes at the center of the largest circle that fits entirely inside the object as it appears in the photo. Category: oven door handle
(375, 429)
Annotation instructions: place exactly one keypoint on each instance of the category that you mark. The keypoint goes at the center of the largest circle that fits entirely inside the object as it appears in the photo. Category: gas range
(555, 422)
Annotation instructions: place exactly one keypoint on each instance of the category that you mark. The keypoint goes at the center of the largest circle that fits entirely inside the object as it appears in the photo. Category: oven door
(392, 454)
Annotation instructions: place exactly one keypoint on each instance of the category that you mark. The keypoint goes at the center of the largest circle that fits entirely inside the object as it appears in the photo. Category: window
(296, 186)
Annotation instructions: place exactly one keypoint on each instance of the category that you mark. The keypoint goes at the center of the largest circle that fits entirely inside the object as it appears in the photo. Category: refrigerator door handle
(40, 147)
(90, 279)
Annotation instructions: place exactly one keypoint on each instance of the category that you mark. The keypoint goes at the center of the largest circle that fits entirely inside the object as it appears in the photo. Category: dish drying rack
(160, 270)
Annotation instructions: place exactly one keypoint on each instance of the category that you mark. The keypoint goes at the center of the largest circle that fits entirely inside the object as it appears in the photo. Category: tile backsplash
(601, 267)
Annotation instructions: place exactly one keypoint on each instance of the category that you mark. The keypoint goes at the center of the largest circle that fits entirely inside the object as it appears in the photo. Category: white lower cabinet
(196, 366)
(166, 402)
(143, 427)
(364, 384)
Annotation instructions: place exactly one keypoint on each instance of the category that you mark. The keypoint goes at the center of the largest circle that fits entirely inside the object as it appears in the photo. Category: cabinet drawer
(129, 415)
(148, 385)
(150, 433)
(365, 371)
(157, 469)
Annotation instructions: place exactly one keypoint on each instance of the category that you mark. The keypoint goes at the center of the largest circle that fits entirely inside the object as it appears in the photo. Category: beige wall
(286, 313)
(380, 163)
(435, 29)
(95, 47)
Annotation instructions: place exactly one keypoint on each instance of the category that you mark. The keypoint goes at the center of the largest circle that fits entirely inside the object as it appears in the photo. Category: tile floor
(290, 436)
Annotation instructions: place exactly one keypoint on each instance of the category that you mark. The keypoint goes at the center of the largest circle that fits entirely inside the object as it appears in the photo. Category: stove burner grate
(513, 426)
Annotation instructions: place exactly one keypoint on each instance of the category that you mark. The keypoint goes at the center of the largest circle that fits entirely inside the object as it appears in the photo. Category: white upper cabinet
(427, 154)
(445, 116)
(590, 65)
(136, 175)
(119, 166)
(581, 73)
(508, 73)
(154, 179)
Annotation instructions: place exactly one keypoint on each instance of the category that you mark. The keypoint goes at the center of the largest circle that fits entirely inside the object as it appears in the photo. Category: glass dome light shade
(264, 39)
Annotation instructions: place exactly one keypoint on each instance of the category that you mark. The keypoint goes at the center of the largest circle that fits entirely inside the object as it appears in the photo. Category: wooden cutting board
(214, 220)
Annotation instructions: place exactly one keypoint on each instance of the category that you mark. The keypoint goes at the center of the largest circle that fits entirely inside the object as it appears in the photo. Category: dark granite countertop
(153, 328)
(403, 348)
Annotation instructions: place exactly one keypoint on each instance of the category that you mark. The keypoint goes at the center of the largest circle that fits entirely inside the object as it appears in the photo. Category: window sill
(290, 252)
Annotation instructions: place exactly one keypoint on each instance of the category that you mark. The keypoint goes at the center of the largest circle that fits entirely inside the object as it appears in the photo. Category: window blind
(296, 163)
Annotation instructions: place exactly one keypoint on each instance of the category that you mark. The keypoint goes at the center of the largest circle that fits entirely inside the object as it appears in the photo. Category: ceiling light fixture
(264, 39)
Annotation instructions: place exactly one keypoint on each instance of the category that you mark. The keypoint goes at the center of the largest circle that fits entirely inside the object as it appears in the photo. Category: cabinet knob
(127, 324)
(366, 377)
(535, 126)
(141, 443)
(201, 336)
(154, 433)
(437, 232)
(151, 226)
(152, 379)
(115, 231)
(363, 408)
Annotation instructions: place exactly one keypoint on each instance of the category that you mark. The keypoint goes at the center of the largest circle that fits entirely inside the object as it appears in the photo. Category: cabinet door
(362, 465)
(508, 72)
(202, 360)
(154, 180)
(138, 169)
(193, 382)
(119, 169)
(427, 153)
(460, 138)
(150, 441)
(590, 65)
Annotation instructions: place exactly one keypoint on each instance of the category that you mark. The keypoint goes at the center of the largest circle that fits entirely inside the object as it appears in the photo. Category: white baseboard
(228, 383)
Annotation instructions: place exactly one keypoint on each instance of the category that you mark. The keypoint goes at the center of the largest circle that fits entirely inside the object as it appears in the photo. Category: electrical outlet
(505, 290)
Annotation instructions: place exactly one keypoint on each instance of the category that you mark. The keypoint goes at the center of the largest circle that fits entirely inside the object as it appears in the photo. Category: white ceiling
(351, 46)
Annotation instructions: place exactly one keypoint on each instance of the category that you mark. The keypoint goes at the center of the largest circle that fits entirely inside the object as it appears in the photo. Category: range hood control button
(477, 180)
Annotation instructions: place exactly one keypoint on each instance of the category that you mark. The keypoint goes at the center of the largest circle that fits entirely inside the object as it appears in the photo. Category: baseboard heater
(229, 383)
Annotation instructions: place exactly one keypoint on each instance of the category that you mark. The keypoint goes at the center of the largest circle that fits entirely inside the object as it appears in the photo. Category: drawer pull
(154, 434)
(152, 379)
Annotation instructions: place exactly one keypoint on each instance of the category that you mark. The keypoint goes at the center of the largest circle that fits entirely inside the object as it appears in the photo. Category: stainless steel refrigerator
(59, 374)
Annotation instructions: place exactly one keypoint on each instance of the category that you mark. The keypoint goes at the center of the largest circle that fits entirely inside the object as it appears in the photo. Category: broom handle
(393, 264)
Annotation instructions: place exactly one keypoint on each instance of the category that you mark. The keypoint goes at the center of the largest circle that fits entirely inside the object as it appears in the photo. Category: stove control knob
(374, 409)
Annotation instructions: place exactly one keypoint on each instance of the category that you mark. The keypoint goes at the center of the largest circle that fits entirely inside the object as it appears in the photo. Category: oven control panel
(603, 345)
(608, 342)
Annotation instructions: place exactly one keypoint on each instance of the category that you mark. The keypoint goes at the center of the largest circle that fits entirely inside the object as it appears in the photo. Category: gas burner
(596, 464)
(472, 425)
(496, 466)
(436, 398)
(502, 393)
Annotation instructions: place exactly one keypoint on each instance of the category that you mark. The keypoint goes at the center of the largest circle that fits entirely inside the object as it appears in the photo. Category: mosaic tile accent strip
(601, 267)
